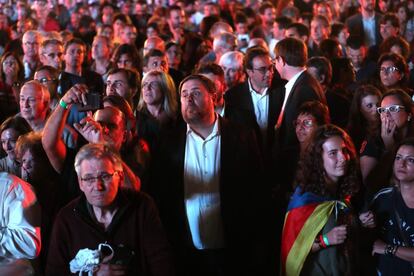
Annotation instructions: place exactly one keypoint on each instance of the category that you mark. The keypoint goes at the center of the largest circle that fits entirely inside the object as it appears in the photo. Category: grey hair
(232, 58)
(98, 151)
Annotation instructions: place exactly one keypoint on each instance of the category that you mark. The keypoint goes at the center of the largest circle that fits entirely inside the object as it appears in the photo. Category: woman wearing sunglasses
(396, 124)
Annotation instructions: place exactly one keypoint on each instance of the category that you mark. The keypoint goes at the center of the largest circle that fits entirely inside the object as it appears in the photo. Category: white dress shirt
(202, 189)
(288, 89)
(261, 108)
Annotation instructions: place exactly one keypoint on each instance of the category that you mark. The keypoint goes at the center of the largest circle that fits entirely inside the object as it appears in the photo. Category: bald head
(154, 42)
(34, 102)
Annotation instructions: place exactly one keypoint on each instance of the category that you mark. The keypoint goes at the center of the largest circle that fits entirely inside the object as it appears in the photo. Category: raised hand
(91, 130)
(367, 219)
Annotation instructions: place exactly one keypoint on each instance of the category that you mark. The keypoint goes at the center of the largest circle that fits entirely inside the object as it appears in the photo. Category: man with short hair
(74, 56)
(279, 30)
(153, 42)
(257, 95)
(157, 60)
(232, 64)
(101, 55)
(176, 19)
(357, 52)
(319, 31)
(216, 74)
(365, 24)
(122, 82)
(291, 56)
(30, 42)
(34, 104)
(108, 216)
(211, 229)
(129, 34)
(268, 14)
(51, 53)
(389, 26)
(49, 77)
(299, 31)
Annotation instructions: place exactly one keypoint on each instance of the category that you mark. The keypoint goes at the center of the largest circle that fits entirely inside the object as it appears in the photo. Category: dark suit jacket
(241, 192)
(356, 27)
(286, 145)
(239, 97)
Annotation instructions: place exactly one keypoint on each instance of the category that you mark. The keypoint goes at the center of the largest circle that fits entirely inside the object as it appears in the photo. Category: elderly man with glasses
(107, 229)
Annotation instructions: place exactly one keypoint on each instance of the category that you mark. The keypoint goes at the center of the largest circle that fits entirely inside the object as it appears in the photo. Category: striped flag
(306, 215)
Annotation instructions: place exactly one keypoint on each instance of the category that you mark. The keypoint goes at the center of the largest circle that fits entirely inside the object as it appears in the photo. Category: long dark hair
(358, 127)
(311, 172)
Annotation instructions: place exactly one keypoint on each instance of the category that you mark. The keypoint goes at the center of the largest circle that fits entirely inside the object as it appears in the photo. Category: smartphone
(93, 102)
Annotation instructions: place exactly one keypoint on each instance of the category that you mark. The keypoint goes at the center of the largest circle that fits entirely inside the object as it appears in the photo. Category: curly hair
(311, 174)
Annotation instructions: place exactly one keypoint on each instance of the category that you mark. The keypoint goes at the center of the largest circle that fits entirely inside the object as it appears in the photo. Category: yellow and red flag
(306, 215)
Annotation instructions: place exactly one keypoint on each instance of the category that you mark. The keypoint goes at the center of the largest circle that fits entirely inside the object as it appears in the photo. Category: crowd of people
(189, 137)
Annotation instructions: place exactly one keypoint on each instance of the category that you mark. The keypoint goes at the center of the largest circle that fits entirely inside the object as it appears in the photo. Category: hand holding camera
(76, 95)
(86, 100)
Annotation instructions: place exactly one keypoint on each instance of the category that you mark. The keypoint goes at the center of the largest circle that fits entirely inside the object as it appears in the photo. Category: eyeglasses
(392, 109)
(45, 80)
(105, 178)
(263, 70)
(305, 123)
(389, 70)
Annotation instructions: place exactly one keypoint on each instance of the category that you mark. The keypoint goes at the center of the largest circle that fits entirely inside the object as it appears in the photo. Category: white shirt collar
(251, 89)
(213, 133)
(292, 81)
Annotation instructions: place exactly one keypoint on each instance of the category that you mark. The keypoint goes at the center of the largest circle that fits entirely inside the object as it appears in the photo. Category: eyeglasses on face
(391, 109)
(307, 123)
(263, 70)
(389, 70)
(104, 177)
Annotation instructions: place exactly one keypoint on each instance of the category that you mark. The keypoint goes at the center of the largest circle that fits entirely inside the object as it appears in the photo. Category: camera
(93, 102)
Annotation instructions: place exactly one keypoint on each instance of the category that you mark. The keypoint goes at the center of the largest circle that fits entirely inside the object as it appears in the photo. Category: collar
(85, 210)
(251, 89)
(215, 132)
(292, 81)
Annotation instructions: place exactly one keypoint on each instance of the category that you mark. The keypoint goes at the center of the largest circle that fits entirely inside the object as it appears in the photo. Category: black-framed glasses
(104, 177)
(389, 70)
(263, 70)
(307, 123)
(391, 109)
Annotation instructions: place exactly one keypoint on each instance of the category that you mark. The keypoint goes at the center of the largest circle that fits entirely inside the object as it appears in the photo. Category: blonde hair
(168, 89)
